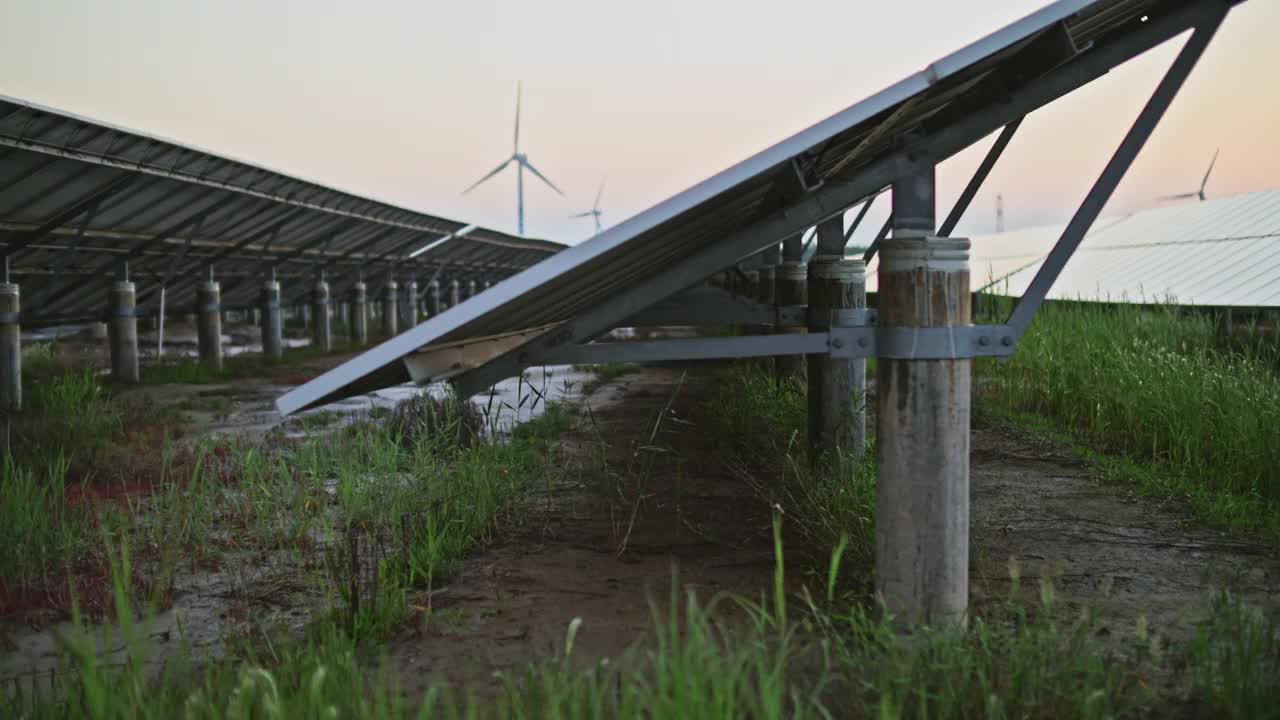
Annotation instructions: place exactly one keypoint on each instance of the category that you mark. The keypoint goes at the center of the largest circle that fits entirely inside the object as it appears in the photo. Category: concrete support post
(272, 321)
(837, 386)
(10, 350)
(390, 310)
(122, 329)
(790, 289)
(321, 333)
(359, 315)
(455, 293)
(209, 323)
(411, 304)
(922, 488)
(433, 298)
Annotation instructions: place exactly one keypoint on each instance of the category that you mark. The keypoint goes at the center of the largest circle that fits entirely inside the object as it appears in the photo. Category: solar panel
(815, 174)
(1153, 256)
(78, 197)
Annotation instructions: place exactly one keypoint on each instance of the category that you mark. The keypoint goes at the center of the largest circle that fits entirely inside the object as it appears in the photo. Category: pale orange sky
(410, 101)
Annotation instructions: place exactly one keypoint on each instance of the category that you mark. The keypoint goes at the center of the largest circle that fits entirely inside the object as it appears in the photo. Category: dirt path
(1102, 546)
(579, 553)
(567, 557)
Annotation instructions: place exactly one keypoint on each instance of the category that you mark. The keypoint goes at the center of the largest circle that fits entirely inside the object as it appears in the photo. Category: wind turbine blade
(599, 193)
(541, 177)
(515, 147)
(1206, 174)
(1179, 196)
(486, 177)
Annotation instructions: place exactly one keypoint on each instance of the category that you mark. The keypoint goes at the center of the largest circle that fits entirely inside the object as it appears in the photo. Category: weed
(1236, 661)
(1151, 384)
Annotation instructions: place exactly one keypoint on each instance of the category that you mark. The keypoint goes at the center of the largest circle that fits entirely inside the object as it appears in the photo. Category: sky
(411, 101)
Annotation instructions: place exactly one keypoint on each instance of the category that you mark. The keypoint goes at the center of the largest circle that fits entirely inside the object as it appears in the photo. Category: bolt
(862, 342)
(837, 343)
(1006, 341)
(984, 341)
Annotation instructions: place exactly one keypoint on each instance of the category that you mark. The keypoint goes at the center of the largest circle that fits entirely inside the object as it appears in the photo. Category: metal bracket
(923, 343)
(10, 318)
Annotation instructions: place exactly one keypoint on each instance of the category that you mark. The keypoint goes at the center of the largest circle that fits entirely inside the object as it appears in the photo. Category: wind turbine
(594, 212)
(1199, 193)
(522, 163)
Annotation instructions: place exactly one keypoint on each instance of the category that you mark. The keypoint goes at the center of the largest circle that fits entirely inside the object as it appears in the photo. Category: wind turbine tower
(522, 163)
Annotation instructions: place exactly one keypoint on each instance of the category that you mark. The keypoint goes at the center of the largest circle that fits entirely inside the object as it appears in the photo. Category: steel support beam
(835, 195)
(1119, 164)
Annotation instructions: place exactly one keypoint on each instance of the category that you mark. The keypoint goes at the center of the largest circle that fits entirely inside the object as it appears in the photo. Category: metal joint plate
(924, 343)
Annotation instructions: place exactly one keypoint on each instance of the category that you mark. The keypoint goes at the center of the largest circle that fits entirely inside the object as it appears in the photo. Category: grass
(604, 374)
(191, 371)
(395, 512)
(1157, 387)
(774, 656)
(764, 422)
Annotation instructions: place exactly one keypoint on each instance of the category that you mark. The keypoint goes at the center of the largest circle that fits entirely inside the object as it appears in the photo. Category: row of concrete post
(922, 405)
(122, 323)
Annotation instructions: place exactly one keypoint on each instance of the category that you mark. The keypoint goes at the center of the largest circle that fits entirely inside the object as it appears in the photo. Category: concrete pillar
(390, 311)
(488, 284)
(433, 298)
(359, 315)
(122, 328)
(10, 349)
(272, 321)
(321, 334)
(922, 488)
(837, 386)
(790, 289)
(411, 304)
(209, 323)
(471, 289)
(455, 293)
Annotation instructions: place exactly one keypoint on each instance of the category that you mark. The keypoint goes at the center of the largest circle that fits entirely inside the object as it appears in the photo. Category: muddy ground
(646, 495)
(1033, 504)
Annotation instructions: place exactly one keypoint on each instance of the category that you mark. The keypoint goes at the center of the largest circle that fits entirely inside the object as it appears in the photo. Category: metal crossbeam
(1119, 164)
(834, 196)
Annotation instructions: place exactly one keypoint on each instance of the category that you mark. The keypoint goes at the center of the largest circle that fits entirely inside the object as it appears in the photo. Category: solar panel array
(1223, 252)
(781, 191)
(78, 198)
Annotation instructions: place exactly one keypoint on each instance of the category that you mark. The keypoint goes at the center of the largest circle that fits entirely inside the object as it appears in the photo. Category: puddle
(210, 604)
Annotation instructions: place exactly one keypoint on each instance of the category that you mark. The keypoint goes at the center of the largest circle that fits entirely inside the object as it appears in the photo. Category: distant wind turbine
(1199, 193)
(522, 162)
(594, 212)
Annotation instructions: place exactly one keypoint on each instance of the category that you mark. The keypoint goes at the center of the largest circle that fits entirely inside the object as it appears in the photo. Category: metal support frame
(841, 341)
(941, 136)
(1115, 170)
(979, 177)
